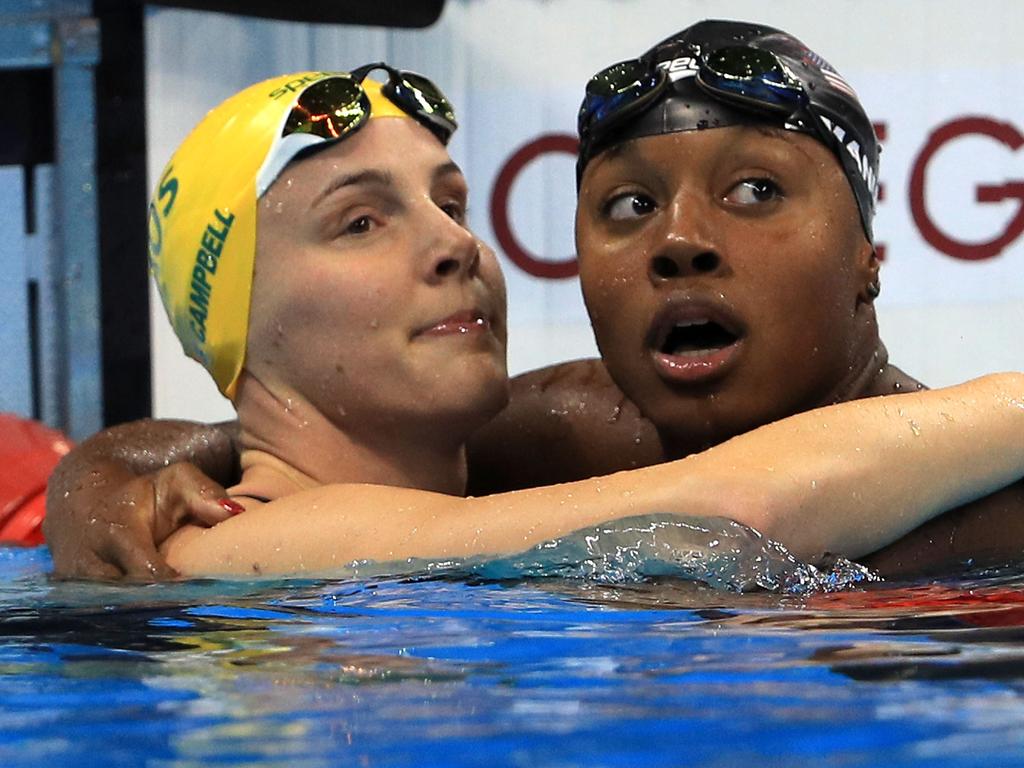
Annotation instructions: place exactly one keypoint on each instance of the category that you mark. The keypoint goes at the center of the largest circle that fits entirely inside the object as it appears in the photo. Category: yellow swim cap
(202, 219)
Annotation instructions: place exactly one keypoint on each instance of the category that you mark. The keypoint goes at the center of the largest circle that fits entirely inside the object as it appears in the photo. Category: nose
(454, 252)
(685, 247)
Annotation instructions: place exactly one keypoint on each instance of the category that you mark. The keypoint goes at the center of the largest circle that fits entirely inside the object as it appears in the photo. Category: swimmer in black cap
(727, 182)
(724, 231)
(727, 187)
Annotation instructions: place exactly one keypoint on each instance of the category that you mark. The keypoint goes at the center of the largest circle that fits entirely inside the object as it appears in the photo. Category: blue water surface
(418, 671)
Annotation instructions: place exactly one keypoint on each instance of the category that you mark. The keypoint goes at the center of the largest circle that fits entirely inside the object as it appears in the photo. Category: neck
(863, 377)
(288, 445)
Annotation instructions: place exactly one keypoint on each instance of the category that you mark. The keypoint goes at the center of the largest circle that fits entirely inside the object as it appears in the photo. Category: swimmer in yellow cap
(310, 243)
(202, 221)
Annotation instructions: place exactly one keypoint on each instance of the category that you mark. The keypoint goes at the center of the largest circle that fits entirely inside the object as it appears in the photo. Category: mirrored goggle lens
(418, 96)
(752, 76)
(329, 108)
(612, 91)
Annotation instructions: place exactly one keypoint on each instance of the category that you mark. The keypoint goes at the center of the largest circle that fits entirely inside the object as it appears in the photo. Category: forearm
(326, 528)
(115, 454)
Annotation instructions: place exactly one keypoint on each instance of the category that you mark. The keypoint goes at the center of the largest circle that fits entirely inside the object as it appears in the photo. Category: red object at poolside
(28, 453)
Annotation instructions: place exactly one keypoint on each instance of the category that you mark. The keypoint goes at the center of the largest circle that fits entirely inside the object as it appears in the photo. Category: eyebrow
(370, 176)
(377, 177)
(447, 169)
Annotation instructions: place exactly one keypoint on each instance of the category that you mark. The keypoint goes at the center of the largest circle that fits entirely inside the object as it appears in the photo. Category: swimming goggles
(749, 78)
(337, 106)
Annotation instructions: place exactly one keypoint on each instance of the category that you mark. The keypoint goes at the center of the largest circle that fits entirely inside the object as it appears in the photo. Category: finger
(212, 511)
(194, 496)
(137, 556)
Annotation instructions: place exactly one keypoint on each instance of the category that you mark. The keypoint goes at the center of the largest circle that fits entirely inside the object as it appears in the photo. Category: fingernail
(231, 506)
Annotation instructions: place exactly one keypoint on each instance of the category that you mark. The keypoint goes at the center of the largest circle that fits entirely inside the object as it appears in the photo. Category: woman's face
(725, 273)
(371, 298)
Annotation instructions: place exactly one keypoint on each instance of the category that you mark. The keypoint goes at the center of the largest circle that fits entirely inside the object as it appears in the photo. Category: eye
(456, 211)
(359, 226)
(631, 205)
(754, 191)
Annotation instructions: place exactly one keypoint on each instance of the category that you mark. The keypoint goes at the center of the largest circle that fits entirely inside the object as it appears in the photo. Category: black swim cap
(720, 73)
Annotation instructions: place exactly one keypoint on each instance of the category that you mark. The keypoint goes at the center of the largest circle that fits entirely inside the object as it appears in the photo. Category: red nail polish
(231, 506)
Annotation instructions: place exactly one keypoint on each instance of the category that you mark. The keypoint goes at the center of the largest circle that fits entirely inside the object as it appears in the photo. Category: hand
(112, 525)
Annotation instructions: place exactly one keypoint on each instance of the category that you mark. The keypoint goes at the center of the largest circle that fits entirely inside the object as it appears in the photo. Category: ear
(867, 267)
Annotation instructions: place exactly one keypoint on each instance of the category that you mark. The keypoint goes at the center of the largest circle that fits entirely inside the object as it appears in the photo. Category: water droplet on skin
(278, 207)
(375, 324)
(614, 417)
(342, 411)
(288, 183)
(915, 428)
(897, 386)
(814, 485)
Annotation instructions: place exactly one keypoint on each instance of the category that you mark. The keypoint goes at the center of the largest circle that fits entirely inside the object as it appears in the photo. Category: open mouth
(697, 338)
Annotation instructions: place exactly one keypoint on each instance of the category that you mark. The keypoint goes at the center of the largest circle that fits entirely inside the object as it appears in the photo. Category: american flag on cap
(829, 73)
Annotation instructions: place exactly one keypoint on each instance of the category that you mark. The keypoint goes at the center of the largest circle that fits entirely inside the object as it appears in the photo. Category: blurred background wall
(941, 78)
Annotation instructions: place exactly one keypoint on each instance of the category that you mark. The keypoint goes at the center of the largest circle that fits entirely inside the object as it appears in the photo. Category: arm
(847, 479)
(114, 498)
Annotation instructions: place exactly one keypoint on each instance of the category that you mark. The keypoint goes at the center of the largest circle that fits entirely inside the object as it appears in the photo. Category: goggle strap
(285, 150)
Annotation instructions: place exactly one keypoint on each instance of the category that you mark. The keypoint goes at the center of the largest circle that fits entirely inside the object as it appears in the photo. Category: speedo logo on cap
(679, 67)
(294, 86)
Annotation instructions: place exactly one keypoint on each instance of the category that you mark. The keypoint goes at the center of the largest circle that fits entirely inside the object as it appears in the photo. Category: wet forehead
(703, 150)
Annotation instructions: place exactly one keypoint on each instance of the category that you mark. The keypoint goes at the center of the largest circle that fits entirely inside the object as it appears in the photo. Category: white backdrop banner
(940, 78)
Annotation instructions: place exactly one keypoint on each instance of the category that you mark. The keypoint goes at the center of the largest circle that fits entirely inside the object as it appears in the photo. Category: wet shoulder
(564, 422)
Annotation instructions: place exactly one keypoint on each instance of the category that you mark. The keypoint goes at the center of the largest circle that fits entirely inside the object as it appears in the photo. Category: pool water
(469, 672)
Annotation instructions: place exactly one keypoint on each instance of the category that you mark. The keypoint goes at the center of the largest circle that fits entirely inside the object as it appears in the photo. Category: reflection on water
(468, 670)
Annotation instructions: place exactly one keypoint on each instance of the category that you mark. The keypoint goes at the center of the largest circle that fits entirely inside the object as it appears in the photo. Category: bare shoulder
(564, 422)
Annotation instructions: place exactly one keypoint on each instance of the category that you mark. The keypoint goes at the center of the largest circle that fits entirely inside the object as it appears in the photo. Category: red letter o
(522, 258)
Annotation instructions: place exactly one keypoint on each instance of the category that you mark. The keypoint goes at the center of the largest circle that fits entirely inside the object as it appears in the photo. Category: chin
(696, 420)
(472, 397)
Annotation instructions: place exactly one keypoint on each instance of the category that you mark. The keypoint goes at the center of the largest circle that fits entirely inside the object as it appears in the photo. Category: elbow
(774, 512)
